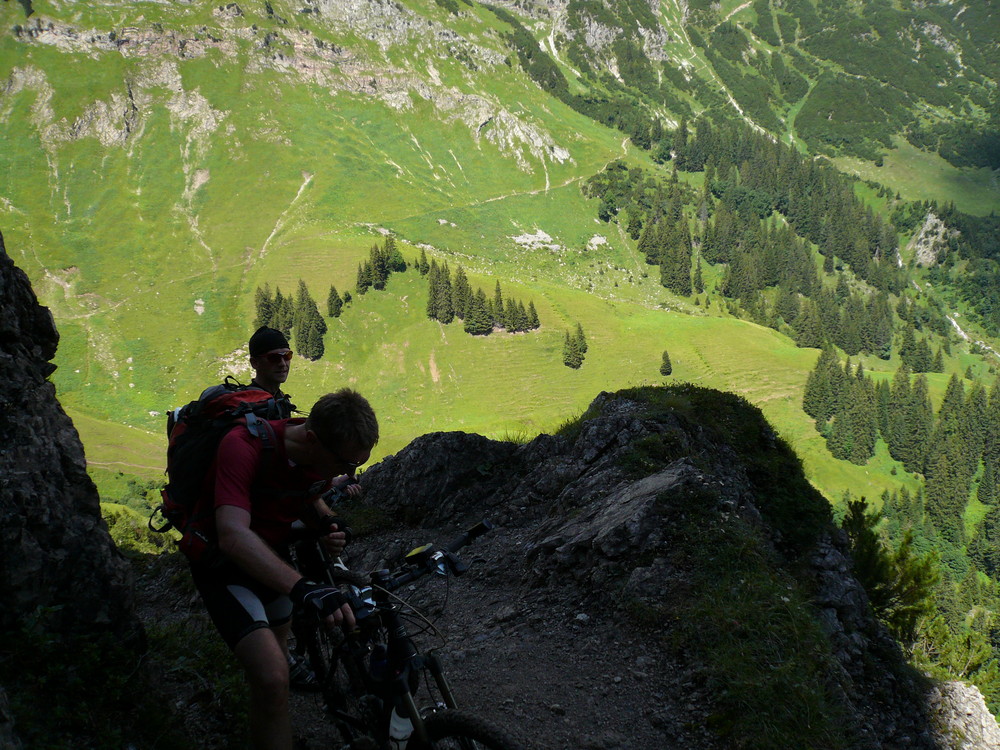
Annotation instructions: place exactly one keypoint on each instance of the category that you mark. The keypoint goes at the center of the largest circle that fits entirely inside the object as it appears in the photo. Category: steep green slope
(166, 160)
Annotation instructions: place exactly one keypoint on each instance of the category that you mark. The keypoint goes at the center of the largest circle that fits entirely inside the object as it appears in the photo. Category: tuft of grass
(513, 436)
(131, 534)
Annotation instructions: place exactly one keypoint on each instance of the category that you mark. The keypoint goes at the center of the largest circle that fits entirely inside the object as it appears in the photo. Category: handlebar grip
(338, 495)
(473, 533)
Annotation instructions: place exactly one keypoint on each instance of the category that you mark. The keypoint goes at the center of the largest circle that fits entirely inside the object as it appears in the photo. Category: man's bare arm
(251, 553)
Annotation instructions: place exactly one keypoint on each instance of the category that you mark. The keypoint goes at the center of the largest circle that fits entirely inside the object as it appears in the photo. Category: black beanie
(265, 339)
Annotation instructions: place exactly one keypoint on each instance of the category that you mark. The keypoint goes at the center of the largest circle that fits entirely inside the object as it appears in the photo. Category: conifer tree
(951, 414)
(985, 546)
(946, 490)
(287, 316)
(461, 293)
(511, 320)
(851, 326)
(498, 308)
(478, 320)
(264, 306)
(378, 267)
(881, 317)
(523, 322)
(808, 327)
(864, 423)
(422, 264)
(533, 321)
(303, 300)
(581, 340)
(364, 278)
(445, 309)
(840, 441)
(675, 269)
(938, 364)
(920, 424)
(278, 313)
(900, 404)
(666, 368)
(309, 327)
(334, 304)
(310, 341)
(572, 356)
(393, 256)
(433, 289)
(883, 404)
(787, 304)
(976, 423)
(648, 243)
(634, 226)
(900, 585)
(820, 400)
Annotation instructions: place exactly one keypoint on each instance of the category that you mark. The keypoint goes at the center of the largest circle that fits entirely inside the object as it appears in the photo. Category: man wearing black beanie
(270, 359)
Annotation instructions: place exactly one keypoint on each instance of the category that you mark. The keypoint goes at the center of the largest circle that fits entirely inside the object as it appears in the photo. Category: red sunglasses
(275, 357)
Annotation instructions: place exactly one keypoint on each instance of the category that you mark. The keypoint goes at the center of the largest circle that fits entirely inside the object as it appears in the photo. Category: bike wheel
(456, 730)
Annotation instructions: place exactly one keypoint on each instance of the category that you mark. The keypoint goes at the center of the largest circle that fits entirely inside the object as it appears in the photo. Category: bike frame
(404, 662)
(405, 665)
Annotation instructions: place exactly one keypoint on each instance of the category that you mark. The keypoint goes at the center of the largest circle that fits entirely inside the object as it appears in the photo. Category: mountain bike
(373, 679)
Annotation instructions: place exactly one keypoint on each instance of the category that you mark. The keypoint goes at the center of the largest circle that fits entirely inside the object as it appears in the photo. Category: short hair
(344, 416)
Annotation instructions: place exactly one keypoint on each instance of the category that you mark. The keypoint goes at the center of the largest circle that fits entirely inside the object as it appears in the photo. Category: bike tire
(457, 730)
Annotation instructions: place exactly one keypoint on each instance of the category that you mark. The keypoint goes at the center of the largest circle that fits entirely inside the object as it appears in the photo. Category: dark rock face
(56, 556)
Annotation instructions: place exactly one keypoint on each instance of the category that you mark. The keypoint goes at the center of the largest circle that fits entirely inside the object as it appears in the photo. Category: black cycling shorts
(237, 603)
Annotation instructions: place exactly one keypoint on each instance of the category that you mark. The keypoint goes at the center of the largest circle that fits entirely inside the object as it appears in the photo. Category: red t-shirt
(274, 490)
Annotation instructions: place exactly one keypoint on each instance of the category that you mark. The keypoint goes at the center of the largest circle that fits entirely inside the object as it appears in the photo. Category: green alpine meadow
(482, 215)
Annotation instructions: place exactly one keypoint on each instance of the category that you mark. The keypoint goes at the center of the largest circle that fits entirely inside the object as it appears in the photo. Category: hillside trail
(565, 183)
(554, 674)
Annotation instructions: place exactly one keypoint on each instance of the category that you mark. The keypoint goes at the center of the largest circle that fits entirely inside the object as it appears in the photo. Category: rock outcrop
(931, 241)
(614, 511)
(57, 560)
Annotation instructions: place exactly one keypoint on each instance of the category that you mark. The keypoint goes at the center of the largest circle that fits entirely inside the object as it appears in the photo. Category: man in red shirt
(258, 492)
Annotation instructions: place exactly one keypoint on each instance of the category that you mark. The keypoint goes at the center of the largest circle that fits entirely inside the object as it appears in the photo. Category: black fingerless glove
(320, 597)
(327, 521)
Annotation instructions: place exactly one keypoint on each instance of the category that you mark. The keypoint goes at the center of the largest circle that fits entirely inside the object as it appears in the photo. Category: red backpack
(194, 432)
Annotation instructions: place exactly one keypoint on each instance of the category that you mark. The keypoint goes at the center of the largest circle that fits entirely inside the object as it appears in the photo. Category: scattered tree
(665, 367)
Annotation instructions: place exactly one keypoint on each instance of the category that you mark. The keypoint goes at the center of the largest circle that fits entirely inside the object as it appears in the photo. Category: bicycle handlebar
(418, 563)
(428, 559)
(473, 533)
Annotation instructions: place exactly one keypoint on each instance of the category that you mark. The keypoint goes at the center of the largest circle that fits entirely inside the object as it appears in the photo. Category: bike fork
(433, 664)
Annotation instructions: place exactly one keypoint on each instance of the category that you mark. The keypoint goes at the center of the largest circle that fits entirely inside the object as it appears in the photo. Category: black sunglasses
(353, 465)
(275, 357)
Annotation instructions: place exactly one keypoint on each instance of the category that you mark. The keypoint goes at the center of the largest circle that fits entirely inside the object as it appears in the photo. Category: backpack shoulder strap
(263, 431)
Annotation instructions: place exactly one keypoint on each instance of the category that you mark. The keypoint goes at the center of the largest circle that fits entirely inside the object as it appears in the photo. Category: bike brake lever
(457, 566)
